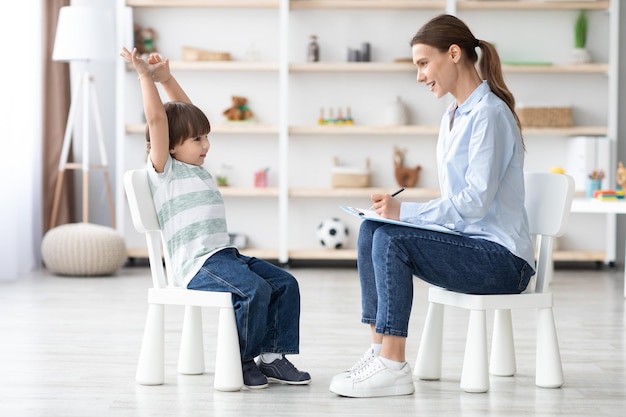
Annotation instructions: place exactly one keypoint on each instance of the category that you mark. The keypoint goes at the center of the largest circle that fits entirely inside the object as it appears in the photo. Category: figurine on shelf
(144, 40)
(313, 51)
(405, 176)
(239, 111)
(260, 178)
(332, 120)
(620, 176)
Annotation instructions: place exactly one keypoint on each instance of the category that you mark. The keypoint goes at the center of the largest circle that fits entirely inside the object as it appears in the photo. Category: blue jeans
(390, 255)
(266, 299)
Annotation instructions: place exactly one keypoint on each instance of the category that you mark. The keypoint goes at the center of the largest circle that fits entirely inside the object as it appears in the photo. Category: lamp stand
(87, 87)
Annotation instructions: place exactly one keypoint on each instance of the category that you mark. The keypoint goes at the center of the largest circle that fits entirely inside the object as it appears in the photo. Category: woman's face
(436, 69)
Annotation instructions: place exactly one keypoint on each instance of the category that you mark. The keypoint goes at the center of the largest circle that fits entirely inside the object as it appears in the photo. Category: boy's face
(192, 151)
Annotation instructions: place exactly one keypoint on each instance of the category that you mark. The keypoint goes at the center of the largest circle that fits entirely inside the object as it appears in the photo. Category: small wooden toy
(405, 176)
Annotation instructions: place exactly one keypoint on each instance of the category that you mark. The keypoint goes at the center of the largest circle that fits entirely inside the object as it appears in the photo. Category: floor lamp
(84, 34)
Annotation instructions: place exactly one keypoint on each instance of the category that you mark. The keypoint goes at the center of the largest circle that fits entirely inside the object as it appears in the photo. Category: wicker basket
(349, 177)
(545, 116)
(194, 54)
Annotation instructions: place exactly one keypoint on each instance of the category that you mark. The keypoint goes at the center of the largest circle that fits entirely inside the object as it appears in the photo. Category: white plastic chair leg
(502, 360)
(191, 354)
(228, 373)
(150, 369)
(475, 375)
(428, 363)
(549, 370)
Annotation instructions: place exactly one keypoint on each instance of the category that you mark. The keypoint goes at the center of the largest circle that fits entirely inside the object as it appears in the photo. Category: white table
(611, 209)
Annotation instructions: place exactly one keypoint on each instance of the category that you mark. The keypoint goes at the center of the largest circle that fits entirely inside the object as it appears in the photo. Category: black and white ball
(332, 233)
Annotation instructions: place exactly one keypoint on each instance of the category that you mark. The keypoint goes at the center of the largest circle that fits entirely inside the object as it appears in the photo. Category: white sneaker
(375, 380)
(366, 358)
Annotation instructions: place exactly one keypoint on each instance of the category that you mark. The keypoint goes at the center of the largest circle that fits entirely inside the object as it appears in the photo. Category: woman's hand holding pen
(386, 205)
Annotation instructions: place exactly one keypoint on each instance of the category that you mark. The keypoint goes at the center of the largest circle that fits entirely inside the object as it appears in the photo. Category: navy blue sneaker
(253, 378)
(283, 371)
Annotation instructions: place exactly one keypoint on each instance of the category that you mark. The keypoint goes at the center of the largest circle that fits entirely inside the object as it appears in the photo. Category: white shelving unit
(288, 93)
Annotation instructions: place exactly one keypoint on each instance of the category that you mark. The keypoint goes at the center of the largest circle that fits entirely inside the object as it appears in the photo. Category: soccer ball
(332, 233)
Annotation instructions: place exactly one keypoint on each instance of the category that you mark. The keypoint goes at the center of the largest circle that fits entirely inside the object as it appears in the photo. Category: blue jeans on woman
(266, 299)
(390, 255)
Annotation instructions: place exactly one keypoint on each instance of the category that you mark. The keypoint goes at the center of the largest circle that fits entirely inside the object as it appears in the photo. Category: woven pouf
(83, 249)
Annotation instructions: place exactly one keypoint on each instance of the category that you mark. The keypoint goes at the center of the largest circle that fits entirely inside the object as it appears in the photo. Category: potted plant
(580, 54)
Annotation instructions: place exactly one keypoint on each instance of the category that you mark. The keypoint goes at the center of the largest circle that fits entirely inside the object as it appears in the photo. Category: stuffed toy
(144, 40)
(239, 111)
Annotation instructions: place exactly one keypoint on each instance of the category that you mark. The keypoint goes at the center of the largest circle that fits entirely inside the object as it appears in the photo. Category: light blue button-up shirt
(480, 162)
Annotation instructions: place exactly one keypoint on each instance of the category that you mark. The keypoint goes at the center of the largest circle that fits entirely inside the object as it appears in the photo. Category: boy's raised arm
(153, 108)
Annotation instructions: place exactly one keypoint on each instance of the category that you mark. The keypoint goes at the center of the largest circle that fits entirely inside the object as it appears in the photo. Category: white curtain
(20, 127)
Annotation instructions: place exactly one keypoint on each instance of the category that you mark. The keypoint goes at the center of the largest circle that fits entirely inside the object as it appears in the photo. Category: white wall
(20, 124)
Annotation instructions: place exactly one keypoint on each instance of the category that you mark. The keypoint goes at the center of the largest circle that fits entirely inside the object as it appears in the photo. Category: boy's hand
(141, 66)
(160, 68)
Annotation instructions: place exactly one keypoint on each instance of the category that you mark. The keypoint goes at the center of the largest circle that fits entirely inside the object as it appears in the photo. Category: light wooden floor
(69, 346)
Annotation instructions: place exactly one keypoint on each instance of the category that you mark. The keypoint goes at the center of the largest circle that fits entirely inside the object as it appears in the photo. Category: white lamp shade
(84, 34)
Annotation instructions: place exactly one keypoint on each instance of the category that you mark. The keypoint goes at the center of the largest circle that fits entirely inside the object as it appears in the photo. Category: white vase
(396, 114)
(580, 56)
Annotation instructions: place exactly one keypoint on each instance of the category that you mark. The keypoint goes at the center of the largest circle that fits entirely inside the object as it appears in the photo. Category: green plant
(580, 30)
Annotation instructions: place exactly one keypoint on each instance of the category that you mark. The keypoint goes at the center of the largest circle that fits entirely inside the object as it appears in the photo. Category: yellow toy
(620, 176)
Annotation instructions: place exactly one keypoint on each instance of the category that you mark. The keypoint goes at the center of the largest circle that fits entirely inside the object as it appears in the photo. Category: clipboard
(365, 214)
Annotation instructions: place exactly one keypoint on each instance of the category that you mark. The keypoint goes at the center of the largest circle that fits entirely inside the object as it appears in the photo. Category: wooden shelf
(142, 253)
(566, 131)
(222, 129)
(323, 254)
(423, 194)
(351, 67)
(234, 4)
(578, 256)
(321, 130)
(372, 67)
(345, 130)
(592, 68)
(532, 5)
(237, 66)
(249, 191)
(351, 254)
(368, 4)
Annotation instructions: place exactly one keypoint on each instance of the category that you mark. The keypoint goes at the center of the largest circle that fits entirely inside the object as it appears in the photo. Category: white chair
(150, 370)
(548, 201)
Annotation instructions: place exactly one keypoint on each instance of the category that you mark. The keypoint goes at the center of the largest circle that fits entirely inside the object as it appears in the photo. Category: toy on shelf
(339, 120)
(239, 111)
(608, 195)
(620, 176)
(144, 40)
(260, 178)
(405, 176)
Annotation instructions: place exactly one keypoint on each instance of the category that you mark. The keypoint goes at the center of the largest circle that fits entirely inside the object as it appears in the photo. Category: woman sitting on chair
(480, 159)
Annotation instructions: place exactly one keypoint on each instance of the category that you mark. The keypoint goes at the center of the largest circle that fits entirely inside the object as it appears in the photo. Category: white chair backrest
(548, 203)
(145, 221)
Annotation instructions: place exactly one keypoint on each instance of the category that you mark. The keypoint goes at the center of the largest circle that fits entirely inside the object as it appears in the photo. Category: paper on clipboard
(365, 214)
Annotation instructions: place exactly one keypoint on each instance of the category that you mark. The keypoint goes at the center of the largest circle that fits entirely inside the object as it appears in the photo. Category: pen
(393, 195)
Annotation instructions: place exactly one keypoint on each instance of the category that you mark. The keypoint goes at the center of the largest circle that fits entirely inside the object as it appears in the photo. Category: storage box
(195, 54)
(351, 177)
(545, 116)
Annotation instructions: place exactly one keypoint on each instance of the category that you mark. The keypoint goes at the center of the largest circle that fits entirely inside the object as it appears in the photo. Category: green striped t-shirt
(191, 214)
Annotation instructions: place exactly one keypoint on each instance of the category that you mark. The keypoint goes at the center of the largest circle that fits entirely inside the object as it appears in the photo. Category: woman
(480, 160)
